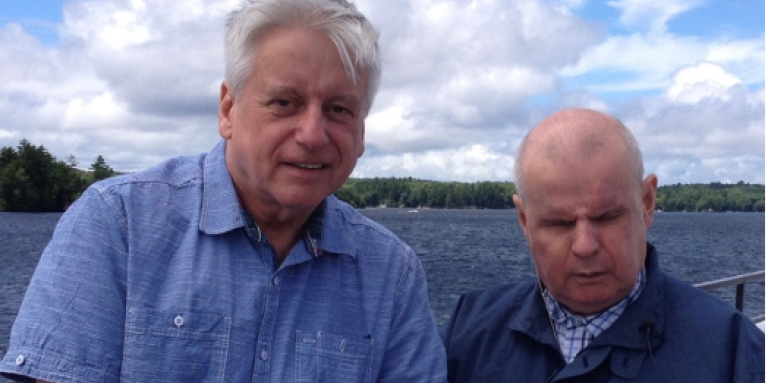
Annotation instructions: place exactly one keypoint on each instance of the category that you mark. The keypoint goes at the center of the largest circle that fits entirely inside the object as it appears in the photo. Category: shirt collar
(312, 238)
(339, 223)
(595, 323)
(314, 235)
(220, 210)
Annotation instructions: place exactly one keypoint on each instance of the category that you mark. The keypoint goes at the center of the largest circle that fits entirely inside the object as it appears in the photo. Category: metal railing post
(740, 296)
(739, 281)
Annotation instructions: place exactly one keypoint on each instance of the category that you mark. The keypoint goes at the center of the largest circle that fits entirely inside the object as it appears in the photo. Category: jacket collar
(643, 320)
(532, 319)
(645, 312)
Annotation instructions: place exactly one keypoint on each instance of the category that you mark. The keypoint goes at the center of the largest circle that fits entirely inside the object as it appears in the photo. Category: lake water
(463, 250)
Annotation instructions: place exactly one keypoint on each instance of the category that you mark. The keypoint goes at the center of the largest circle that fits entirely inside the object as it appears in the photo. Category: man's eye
(282, 106)
(558, 223)
(282, 103)
(338, 109)
(608, 217)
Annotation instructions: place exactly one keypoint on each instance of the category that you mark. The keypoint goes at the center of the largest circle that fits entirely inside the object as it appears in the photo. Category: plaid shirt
(574, 332)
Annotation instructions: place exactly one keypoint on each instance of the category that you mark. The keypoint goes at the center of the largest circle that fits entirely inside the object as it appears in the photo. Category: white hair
(352, 34)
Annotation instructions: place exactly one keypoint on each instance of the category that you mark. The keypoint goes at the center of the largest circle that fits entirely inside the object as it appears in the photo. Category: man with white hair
(239, 265)
(600, 309)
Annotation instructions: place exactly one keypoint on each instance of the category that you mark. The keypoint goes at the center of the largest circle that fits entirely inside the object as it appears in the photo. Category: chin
(302, 201)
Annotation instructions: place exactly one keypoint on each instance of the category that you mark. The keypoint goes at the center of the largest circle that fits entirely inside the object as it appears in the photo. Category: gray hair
(590, 143)
(353, 35)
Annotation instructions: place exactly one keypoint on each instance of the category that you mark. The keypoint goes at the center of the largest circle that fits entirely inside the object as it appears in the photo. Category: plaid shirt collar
(312, 238)
(574, 332)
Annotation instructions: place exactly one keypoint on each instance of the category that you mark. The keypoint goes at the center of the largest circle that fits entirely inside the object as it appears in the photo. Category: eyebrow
(346, 98)
(613, 211)
(553, 217)
(280, 89)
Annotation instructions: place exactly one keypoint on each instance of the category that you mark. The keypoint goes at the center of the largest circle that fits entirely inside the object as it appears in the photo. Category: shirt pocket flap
(329, 357)
(181, 323)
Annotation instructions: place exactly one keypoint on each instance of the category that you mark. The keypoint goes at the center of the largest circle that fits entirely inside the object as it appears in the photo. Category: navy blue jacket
(672, 333)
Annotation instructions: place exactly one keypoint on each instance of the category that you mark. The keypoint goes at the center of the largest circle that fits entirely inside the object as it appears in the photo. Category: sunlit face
(295, 131)
(586, 222)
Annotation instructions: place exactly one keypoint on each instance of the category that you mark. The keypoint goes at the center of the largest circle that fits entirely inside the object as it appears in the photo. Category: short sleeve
(70, 324)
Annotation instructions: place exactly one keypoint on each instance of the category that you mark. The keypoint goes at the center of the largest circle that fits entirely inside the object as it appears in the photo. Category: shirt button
(276, 281)
(20, 360)
(178, 321)
(264, 354)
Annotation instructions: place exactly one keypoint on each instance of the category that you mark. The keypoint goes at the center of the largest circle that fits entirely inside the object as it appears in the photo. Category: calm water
(463, 250)
(471, 249)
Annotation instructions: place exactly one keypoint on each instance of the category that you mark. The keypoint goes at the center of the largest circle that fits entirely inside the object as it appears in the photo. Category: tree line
(714, 196)
(32, 180)
(412, 193)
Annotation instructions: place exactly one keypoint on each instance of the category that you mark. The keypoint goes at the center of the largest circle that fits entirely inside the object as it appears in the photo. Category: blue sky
(39, 18)
(137, 81)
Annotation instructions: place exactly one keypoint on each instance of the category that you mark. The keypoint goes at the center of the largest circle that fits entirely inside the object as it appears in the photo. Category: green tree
(72, 161)
(32, 180)
(101, 170)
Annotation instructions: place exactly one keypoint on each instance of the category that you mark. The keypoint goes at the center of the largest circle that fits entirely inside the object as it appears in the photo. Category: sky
(137, 81)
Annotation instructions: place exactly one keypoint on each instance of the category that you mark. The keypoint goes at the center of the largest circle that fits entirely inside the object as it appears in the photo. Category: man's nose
(312, 131)
(585, 242)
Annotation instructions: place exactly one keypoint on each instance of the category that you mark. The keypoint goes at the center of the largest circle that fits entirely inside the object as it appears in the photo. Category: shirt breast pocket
(175, 346)
(327, 357)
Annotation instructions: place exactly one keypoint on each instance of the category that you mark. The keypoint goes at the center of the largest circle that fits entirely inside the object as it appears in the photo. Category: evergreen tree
(101, 170)
(32, 180)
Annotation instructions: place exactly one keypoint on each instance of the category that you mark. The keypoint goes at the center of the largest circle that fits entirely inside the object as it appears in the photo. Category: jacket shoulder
(496, 299)
(487, 310)
(477, 337)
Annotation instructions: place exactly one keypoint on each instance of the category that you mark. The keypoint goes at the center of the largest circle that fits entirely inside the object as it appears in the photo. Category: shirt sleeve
(70, 324)
(415, 351)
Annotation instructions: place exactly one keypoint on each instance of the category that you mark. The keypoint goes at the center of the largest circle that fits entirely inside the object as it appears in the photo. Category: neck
(283, 228)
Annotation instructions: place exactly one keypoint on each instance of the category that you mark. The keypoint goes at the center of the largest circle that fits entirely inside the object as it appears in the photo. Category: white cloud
(7, 134)
(642, 62)
(469, 163)
(137, 81)
(446, 85)
(701, 81)
(651, 14)
(718, 134)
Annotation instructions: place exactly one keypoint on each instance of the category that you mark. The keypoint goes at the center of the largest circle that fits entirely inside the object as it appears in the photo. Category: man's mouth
(589, 275)
(309, 166)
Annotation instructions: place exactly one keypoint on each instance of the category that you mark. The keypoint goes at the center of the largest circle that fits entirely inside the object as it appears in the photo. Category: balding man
(600, 310)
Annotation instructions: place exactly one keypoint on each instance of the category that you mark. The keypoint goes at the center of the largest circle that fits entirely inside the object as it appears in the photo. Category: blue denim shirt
(151, 277)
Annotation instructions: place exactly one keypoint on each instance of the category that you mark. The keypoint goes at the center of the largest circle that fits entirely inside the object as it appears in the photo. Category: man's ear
(226, 104)
(521, 217)
(362, 141)
(650, 184)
